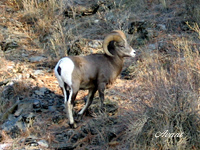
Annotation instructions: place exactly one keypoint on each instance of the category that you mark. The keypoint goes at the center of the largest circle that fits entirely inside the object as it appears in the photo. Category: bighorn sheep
(92, 72)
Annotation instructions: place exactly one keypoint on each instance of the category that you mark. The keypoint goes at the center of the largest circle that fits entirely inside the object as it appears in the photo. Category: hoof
(88, 113)
(73, 126)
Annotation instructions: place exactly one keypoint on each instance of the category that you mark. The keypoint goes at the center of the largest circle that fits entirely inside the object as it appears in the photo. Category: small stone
(41, 91)
(52, 108)
(152, 46)
(24, 55)
(31, 142)
(43, 143)
(45, 105)
(36, 103)
(95, 44)
(37, 58)
(162, 27)
(38, 72)
(18, 112)
(96, 21)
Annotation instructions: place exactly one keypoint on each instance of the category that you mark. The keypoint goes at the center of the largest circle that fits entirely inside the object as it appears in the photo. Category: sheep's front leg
(101, 89)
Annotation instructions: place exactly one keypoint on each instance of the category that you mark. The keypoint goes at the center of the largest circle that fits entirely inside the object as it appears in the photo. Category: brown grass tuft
(172, 100)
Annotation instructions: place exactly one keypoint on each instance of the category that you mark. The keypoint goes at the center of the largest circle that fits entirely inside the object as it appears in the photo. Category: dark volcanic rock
(81, 8)
(16, 125)
(58, 118)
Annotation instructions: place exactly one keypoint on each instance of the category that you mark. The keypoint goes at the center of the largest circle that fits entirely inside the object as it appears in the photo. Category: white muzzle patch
(132, 53)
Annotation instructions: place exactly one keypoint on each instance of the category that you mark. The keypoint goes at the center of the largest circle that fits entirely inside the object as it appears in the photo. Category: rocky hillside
(155, 102)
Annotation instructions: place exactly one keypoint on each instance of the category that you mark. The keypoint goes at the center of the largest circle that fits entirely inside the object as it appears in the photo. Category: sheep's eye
(120, 45)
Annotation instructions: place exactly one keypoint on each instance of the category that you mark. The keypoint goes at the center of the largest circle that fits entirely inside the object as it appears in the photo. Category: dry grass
(167, 86)
(193, 9)
(172, 100)
(39, 24)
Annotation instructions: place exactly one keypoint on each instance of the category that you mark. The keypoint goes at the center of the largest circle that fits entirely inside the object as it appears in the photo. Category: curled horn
(121, 33)
(115, 35)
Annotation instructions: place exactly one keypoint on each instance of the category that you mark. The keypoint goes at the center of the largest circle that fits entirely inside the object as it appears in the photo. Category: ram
(92, 72)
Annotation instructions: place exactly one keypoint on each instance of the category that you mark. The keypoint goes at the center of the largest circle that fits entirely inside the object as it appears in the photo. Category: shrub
(172, 103)
(193, 9)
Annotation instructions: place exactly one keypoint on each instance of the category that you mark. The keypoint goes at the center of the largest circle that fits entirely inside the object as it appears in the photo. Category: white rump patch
(67, 67)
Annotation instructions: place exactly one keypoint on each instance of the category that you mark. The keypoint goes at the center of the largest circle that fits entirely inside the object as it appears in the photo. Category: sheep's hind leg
(70, 96)
(88, 103)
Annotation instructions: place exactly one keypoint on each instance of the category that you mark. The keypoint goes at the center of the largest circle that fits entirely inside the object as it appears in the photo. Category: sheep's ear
(111, 45)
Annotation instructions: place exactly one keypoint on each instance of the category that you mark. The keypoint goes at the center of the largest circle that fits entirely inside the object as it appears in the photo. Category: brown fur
(96, 71)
